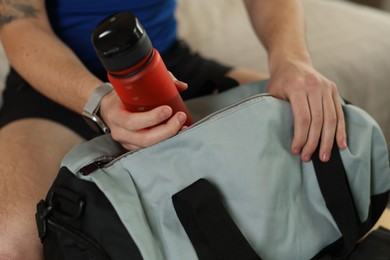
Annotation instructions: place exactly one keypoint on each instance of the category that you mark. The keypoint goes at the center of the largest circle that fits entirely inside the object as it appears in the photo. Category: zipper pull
(88, 169)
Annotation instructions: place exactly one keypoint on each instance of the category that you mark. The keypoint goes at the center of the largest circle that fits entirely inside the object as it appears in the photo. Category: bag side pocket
(76, 221)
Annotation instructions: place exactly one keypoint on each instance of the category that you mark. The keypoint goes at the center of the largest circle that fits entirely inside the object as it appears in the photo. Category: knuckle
(110, 116)
(317, 119)
(331, 120)
(115, 134)
(128, 147)
(304, 120)
(311, 145)
(312, 80)
(144, 141)
(299, 139)
(297, 83)
(326, 147)
(130, 124)
(299, 142)
(333, 86)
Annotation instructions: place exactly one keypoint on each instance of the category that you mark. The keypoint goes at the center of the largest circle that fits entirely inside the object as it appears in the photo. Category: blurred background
(381, 4)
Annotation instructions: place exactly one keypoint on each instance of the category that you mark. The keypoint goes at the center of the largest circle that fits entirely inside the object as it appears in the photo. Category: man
(47, 48)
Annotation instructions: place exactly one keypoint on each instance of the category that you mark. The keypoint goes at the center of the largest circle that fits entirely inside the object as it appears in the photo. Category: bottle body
(148, 85)
(135, 69)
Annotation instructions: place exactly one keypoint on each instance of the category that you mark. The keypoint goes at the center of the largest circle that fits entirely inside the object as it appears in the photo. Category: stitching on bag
(226, 113)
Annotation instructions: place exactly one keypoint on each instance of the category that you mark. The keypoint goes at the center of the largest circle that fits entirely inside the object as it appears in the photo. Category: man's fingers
(329, 127)
(302, 119)
(165, 130)
(140, 120)
(341, 134)
(316, 125)
(134, 139)
(180, 85)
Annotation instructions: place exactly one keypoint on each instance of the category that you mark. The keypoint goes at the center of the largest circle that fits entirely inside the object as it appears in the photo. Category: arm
(318, 116)
(41, 58)
(54, 70)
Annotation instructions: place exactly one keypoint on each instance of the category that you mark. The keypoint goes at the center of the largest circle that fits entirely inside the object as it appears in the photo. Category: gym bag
(227, 187)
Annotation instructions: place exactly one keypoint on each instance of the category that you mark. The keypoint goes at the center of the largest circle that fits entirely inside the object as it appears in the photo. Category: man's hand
(141, 129)
(318, 115)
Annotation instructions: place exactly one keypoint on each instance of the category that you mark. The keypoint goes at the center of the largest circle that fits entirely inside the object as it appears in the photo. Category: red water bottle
(135, 69)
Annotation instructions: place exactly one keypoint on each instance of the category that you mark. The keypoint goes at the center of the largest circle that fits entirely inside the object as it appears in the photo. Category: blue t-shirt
(74, 21)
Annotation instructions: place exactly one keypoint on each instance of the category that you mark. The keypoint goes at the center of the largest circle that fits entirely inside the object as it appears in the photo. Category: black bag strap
(214, 234)
(209, 226)
(334, 186)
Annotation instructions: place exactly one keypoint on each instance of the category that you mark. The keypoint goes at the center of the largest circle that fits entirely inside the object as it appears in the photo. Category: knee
(9, 253)
(19, 252)
(19, 241)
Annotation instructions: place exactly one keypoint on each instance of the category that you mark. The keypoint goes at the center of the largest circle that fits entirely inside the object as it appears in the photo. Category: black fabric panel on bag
(334, 186)
(208, 225)
(378, 204)
(375, 246)
(89, 232)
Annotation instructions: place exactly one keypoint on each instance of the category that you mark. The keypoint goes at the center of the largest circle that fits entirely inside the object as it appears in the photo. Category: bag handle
(334, 186)
(214, 234)
(208, 225)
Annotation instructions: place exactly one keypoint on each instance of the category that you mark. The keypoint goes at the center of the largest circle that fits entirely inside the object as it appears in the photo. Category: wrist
(107, 102)
(286, 59)
(91, 111)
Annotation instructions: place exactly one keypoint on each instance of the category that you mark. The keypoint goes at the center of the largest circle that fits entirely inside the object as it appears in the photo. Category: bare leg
(31, 151)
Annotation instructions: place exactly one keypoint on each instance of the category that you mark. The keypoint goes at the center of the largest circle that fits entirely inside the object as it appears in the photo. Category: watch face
(92, 125)
(95, 123)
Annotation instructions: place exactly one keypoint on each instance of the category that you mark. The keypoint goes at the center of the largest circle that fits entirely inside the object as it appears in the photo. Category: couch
(349, 43)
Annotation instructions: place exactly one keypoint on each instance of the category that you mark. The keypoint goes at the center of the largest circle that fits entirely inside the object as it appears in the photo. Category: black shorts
(22, 101)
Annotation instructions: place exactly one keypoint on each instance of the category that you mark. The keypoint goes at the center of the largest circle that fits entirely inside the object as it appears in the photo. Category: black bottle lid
(120, 42)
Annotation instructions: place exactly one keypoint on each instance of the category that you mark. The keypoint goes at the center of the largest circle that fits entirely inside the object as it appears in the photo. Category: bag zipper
(238, 103)
(89, 168)
(109, 160)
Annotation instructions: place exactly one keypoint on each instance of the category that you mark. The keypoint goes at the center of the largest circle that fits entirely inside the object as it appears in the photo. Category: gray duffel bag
(227, 187)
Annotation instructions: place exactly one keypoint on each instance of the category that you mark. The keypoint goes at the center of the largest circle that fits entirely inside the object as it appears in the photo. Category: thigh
(31, 151)
(204, 75)
(21, 101)
(197, 71)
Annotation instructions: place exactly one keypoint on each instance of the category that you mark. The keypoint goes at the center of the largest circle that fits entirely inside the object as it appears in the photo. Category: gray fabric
(270, 193)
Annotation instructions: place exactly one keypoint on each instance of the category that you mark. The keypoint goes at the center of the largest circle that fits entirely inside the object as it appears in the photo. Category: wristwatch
(91, 109)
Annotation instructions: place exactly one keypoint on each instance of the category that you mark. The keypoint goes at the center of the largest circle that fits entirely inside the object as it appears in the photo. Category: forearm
(315, 103)
(280, 27)
(47, 64)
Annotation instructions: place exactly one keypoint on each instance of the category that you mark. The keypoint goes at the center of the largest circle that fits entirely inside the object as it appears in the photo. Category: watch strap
(92, 106)
(95, 99)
